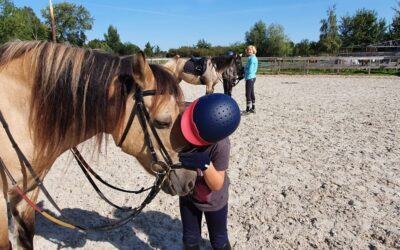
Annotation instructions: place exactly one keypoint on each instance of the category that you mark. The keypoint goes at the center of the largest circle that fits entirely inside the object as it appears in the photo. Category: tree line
(72, 21)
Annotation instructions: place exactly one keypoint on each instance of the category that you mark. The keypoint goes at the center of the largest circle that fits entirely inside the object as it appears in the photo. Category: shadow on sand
(159, 229)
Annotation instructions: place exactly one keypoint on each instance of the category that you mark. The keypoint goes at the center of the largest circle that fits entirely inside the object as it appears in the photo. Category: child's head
(251, 50)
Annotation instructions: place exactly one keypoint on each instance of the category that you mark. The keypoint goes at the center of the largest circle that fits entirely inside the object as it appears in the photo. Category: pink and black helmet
(210, 119)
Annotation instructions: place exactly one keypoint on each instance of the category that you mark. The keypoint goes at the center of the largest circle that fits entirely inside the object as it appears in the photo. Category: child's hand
(195, 160)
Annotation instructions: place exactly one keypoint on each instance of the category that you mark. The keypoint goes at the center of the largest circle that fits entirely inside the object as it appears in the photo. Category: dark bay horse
(207, 71)
(54, 97)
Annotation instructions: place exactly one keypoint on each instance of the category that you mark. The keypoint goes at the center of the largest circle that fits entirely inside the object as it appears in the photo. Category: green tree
(257, 36)
(315, 48)
(128, 49)
(157, 51)
(237, 47)
(98, 44)
(148, 49)
(277, 43)
(19, 23)
(329, 37)
(71, 22)
(395, 25)
(362, 29)
(112, 39)
(346, 30)
(203, 44)
(303, 48)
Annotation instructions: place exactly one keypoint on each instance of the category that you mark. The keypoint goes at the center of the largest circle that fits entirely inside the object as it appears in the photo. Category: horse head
(163, 108)
(230, 66)
(239, 67)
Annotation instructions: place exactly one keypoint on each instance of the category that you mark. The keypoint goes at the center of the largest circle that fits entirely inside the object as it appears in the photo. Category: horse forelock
(70, 92)
(166, 86)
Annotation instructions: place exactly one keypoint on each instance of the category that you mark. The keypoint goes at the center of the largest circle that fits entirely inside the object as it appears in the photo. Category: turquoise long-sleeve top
(251, 67)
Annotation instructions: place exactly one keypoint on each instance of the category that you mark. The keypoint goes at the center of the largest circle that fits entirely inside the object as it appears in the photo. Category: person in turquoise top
(250, 71)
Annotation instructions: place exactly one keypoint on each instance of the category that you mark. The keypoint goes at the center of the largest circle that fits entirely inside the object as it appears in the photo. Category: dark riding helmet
(230, 53)
(210, 119)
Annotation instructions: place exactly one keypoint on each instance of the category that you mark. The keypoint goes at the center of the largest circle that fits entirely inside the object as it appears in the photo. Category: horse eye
(162, 123)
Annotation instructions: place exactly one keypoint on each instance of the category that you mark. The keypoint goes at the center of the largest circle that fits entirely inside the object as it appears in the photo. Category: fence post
(279, 67)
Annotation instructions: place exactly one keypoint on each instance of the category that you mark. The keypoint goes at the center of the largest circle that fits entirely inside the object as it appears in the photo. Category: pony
(229, 79)
(205, 71)
(54, 97)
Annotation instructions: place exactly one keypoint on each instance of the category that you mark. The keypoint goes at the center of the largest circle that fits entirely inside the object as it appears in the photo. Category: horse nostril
(191, 185)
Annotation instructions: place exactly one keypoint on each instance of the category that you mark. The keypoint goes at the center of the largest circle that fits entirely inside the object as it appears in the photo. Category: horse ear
(176, 57)
(141, 70)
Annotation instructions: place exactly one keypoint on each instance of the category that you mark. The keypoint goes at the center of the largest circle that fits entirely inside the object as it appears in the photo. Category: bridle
(167, 166)
(238, 71)
(143, 115)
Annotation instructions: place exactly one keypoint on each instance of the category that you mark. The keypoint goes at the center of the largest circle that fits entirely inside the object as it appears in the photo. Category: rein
(167, 166)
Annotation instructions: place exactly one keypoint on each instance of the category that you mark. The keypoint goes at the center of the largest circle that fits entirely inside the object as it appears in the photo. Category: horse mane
(69, 93)
(222, 62)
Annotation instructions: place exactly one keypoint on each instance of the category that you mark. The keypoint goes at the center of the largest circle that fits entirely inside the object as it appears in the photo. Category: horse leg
(5, 244)
(24, 219)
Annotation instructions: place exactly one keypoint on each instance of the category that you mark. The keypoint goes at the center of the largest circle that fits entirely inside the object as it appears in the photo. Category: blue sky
(175, 23)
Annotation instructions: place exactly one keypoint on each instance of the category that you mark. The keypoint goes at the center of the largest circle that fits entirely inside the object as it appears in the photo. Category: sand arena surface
(318, 166)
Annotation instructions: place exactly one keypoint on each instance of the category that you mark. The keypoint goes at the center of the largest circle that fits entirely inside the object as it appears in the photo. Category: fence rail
(276, 64)
(329, 63)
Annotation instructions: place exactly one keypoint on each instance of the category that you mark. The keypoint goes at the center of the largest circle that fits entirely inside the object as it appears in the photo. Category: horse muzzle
(180, 181)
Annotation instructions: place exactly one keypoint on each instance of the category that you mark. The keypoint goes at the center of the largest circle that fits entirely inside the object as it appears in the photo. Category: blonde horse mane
(69, 93)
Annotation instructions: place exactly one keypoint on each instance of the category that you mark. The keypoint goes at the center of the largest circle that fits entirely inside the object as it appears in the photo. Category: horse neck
(220, 70)
(175, 66)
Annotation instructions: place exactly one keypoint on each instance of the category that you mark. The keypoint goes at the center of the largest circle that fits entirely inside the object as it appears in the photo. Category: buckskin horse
(53, 97)
(204, 71)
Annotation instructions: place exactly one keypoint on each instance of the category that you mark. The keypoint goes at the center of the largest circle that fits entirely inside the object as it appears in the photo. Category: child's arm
(201, 160)
(214, 178)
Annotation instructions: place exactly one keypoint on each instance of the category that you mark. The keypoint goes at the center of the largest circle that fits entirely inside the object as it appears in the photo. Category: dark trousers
(227, 87)
(250, 97)
(191, 221)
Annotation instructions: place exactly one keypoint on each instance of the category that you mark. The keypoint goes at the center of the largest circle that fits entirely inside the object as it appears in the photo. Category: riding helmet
(210, 119)
(230, 53)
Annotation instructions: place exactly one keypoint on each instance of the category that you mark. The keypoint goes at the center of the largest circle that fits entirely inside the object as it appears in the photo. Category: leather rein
(167, 166)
